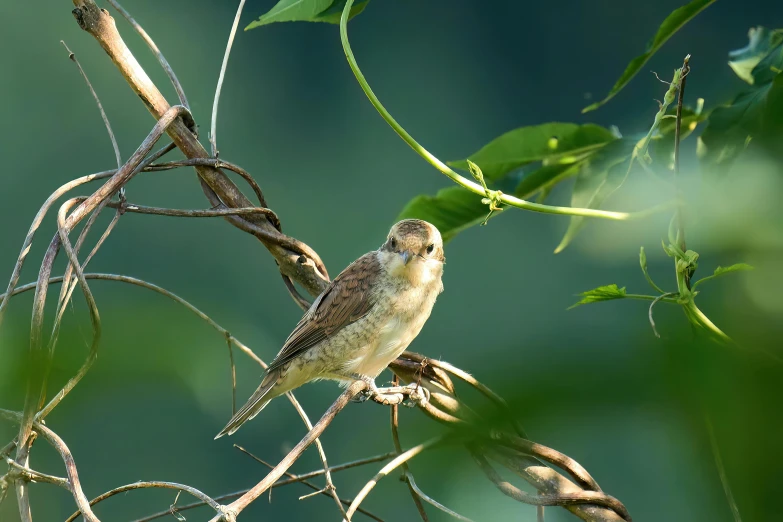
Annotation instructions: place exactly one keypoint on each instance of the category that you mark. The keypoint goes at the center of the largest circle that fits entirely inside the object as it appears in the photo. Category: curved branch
(70, 465)
(311, 272)
(204, 498)
(455, 177)
(398, 461)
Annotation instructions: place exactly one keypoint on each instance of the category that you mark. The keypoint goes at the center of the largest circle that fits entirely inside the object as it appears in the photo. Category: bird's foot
(389, 396)
(413, 393)
(369, 392)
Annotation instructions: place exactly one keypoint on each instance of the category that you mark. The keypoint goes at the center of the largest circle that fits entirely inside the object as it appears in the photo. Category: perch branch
(236, 507)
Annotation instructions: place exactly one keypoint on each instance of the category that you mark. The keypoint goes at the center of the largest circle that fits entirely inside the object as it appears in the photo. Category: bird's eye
(430, 249)
(393, 242)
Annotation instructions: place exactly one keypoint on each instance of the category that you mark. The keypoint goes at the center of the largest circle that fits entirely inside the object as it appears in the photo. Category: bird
(364, 319)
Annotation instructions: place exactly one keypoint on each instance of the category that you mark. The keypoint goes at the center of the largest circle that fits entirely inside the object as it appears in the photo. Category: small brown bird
(364, 319)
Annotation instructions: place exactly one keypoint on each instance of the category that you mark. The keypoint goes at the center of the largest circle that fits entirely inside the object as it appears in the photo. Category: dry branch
(302, 265)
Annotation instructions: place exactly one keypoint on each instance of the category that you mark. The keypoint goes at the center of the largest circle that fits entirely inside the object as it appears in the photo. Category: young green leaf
(328, 11)
(598, 178)
(452, 210)
(602, 293)
(528, 144)
(760, 42)
(739, 267)
(678, 18)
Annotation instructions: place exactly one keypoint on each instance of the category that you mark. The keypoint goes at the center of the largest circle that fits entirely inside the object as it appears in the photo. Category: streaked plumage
(364, 319)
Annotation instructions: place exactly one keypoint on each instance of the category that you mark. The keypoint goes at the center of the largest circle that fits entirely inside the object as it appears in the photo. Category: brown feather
(346, 300)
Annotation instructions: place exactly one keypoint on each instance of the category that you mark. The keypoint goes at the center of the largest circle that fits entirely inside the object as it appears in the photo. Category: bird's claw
(414, 394)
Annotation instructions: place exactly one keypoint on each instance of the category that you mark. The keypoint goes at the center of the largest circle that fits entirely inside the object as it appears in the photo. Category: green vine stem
(454, 176)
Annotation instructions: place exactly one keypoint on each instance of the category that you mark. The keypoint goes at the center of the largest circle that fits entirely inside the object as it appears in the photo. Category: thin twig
(233, 374)
(218, 164)
(388, 468)
(143, 484)
(232, 34)
(155, 288)
(724, 479)
(430, 500)
(298, 478)
(650, 311)
(116, 147)
(407, 475)
(70, 465)
(242, 502)
(330, 487)
(31, 475)
(154, 48)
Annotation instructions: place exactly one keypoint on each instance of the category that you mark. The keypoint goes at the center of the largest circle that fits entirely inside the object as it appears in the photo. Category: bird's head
(414, 249)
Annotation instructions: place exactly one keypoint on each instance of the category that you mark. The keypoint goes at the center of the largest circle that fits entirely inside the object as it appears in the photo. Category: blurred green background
(592, 382)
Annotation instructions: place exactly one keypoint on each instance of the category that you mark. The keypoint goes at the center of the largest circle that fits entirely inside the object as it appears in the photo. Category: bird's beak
(406, 256)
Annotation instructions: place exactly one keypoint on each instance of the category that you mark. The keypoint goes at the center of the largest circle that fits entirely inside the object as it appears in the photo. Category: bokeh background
(592, 382)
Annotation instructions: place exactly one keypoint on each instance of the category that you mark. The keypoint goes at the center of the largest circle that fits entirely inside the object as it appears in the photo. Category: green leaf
(452, 210)
(528, 144)
(599, 176)
(292, 11)
(760, 42)
(678, 18)
(753, 115)
(335, 11)
(602, 293)
(544, 178)
(739, 267)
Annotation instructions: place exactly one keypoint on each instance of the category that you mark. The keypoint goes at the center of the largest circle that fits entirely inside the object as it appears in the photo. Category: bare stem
(242, 502)
(232, 34)
(451, 174)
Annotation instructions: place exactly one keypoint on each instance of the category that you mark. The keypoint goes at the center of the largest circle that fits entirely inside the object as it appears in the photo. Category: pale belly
(394, 338)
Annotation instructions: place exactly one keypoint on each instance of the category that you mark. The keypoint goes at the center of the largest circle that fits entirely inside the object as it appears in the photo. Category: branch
(399, 460)
(395, 429)
(142, 484)
(70, 466)
(154, 48)
(455, 177)
(213, 133)
(236, 507)
(316, 490)
(293, 480)
(302, 265)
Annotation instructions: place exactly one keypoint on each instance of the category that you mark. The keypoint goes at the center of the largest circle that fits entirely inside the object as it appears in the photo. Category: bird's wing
(346, 300)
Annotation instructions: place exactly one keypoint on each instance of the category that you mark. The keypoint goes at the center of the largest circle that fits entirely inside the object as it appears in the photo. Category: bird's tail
(254, 404)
